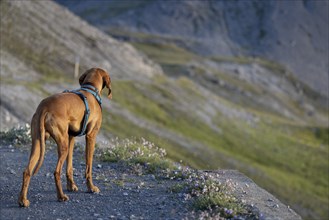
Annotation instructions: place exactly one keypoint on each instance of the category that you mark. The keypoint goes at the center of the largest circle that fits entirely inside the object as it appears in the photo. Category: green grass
(295, 171)
(128, 95)
(117, 125)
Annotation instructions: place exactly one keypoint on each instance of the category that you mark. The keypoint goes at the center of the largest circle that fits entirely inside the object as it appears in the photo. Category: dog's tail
(42, 139)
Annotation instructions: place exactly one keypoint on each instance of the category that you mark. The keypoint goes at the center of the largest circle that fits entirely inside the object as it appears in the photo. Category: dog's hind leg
(34, 157)
(71, 186)
(62, 140)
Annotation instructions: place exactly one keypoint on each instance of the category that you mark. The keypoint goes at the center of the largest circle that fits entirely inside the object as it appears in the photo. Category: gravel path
(123, 195)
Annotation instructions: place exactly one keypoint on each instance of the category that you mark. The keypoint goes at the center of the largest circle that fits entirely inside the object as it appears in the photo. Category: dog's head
(98, 78)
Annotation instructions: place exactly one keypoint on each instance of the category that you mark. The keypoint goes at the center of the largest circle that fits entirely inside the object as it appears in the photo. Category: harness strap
(94, 92)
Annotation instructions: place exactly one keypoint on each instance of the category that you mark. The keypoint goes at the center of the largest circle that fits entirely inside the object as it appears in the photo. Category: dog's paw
(63, 198)
(24, 203)
(94, 189)
(72, 188)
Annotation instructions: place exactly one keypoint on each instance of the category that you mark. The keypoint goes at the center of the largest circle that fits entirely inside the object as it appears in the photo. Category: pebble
(125, 194)
(99, 166)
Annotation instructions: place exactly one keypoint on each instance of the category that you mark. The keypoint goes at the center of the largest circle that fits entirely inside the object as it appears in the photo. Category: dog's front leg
(90, 146)
(71, 186)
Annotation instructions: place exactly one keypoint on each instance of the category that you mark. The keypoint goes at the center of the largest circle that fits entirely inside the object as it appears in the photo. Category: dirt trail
(123, 195)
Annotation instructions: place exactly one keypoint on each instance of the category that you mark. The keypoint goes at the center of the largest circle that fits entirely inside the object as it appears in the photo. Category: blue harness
(92, 90)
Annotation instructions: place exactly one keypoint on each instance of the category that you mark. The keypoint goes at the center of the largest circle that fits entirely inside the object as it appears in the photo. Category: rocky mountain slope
(293, 33)
(244, 113)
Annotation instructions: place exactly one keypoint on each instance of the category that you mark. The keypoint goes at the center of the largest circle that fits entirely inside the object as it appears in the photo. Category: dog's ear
(110, 93)
(82, 78)
(107, 82)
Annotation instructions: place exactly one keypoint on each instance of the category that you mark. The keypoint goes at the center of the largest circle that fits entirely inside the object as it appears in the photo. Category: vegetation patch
(209, 197)
(19, 136)
(137, 153)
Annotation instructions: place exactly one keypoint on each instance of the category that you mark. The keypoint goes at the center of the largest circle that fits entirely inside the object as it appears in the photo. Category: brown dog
(61, 116)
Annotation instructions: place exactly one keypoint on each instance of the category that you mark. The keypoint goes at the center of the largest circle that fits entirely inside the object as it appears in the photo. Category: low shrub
(207, 195)
(138, 152)
(17, 136)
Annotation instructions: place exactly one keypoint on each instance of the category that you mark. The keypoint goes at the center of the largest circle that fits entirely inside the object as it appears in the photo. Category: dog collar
(94, 91)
